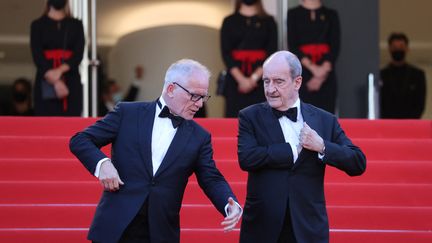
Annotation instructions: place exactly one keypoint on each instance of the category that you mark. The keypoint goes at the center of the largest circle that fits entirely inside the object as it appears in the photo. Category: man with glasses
(285, 145)
(155, 149)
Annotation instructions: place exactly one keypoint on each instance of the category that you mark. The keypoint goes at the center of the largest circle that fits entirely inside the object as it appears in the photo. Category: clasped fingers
(310, 139)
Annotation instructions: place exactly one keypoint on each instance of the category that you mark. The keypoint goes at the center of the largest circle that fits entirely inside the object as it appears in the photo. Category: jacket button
(153, 183)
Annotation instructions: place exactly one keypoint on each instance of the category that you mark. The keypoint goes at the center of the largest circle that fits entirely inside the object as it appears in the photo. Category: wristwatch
(322, 153)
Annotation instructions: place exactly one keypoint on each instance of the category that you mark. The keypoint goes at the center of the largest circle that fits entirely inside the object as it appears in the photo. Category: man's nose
(271, 87)
(199, 103)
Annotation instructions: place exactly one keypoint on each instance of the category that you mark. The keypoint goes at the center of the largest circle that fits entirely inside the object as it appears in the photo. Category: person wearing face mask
(156, 147)
(403, 86)
(57, 46)
(21, 103)
(248, 36)
(285, 146)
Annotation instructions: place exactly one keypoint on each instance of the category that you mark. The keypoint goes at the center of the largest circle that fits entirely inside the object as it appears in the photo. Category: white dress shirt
(291, 130)
(159, 144)
(162, 136)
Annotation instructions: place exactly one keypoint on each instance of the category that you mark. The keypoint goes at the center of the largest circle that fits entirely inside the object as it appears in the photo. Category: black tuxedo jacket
(276, 184)
(129, 129)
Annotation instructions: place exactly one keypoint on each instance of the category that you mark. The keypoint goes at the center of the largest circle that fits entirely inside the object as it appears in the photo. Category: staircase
(48, 196)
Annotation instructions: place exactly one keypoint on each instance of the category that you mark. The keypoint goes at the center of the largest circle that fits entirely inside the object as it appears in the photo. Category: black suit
(403, 92)
(129, 129)
(276, 183)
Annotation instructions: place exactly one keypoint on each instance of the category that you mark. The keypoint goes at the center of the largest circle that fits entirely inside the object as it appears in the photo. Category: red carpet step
(219, 127)
(392, 202)
(224, 148)
(337, 194)
(71, 170)
(205, 216)
(79, 235)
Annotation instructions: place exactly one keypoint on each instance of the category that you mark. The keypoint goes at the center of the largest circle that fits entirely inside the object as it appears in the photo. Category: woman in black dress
(57, 45)
(314, 36)
(248, 37)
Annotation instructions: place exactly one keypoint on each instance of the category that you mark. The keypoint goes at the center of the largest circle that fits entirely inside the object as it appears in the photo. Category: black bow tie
(291, 113)
(175, 120)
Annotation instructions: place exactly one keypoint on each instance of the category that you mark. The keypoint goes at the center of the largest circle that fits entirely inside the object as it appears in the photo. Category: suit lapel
(145, 128)
(271, 123)
(309, 117)
(176, 147)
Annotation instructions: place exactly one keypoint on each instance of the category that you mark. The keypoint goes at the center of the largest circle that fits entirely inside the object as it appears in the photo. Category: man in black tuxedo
(156, 146)
(285, 145)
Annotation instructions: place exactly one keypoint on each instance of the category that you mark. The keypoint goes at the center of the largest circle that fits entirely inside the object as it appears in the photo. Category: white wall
(11, 71)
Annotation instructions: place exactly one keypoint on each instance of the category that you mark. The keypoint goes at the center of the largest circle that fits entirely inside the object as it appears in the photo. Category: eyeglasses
(194, 97)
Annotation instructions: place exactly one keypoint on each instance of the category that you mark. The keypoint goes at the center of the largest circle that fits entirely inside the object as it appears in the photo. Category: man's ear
(170, 90)
(298, 82)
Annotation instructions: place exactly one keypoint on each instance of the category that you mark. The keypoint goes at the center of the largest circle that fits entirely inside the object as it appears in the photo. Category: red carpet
(48, 196)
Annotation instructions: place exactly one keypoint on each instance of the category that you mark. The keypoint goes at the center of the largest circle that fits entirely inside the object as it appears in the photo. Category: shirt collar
(162, 101)
(297, 104)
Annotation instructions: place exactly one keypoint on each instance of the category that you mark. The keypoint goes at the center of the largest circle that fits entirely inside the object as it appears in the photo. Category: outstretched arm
(234, 213)
(216, 187)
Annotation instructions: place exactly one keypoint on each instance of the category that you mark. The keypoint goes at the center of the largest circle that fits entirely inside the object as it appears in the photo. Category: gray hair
(292, 61)
(181, 70)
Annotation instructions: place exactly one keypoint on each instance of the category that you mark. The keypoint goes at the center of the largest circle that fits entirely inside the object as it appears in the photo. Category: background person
(248, 37)
(21, 101)
(112, 94)
(403, 86)
(57, 46)
(314, 36)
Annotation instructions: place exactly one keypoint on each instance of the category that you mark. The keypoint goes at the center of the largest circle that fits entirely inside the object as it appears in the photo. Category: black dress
(319, 40)
(403, 92)
(245, 43)
(67, 35)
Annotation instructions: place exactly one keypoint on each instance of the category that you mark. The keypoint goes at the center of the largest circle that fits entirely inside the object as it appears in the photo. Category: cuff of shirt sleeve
(97, 170)
(226, 208)
(322, 153)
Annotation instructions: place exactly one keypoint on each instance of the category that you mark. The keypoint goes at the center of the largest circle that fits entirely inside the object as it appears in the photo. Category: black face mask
(57, 4)
(249, 2)
(19, 96)
(398, 55)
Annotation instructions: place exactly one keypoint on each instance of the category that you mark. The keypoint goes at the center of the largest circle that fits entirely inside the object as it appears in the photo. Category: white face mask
(117, 97)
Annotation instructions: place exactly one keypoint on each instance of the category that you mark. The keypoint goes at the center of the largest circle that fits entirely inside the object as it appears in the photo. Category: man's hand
(234, 215)
(109, 177)
(310, 139)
